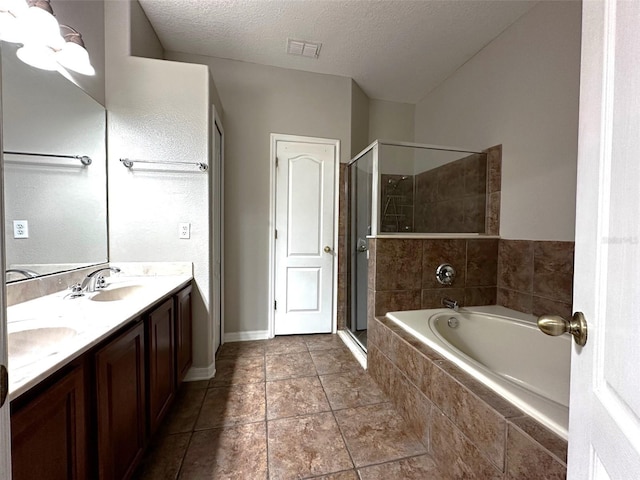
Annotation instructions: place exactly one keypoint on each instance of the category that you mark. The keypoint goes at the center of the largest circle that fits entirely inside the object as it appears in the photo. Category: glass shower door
(361, 178)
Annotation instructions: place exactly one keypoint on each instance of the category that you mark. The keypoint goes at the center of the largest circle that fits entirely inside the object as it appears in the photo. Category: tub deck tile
(527, 460)
(488, 396)
(416, 367)
(550, 441)
(455, 455)
(482, 425)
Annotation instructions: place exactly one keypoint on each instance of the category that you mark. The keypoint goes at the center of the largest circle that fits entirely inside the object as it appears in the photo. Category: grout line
(191, 432)
(184, 455)
(387, 462)
(344, 440)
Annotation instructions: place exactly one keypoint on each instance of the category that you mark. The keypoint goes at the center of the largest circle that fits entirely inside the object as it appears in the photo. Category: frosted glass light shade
(38, 56)
(40, 27)
(9, 28)
(17, 7)
(10, 12)
(74, 57)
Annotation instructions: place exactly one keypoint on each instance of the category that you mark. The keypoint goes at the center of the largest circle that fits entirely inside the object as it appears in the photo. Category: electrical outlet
(184, 230)
(20, 229)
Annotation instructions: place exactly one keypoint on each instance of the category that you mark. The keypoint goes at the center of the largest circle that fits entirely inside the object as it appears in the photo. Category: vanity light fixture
(10, 12)
(73, 55)
(32, 24)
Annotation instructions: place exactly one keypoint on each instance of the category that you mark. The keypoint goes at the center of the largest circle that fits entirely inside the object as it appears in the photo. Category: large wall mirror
(59, 202)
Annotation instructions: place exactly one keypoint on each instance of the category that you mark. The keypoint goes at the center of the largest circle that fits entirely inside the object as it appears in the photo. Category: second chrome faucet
(95, 280)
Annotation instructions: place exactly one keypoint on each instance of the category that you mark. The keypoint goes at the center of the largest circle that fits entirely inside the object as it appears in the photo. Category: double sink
(48, 331)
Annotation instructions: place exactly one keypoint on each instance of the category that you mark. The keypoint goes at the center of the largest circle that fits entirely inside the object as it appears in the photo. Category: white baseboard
(351, 344)
(201, 373)
(246, 336)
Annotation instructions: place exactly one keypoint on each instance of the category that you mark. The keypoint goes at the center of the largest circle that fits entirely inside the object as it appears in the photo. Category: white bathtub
(504, 350)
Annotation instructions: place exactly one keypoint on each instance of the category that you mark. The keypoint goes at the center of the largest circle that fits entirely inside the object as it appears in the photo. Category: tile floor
(289, 408)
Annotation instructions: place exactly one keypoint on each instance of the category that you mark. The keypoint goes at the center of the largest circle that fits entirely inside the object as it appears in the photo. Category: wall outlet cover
(184, 230)
(20, 229)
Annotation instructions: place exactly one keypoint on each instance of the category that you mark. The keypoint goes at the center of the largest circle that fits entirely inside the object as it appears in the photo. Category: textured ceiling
(395, 50)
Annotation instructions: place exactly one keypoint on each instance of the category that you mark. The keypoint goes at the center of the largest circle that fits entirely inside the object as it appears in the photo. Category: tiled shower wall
(533, 277)
(342, 247)
(396, 203)
(402, 273)
(452, 197)
(536, 277)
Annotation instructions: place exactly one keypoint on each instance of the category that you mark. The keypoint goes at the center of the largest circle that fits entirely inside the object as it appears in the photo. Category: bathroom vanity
(90, 406)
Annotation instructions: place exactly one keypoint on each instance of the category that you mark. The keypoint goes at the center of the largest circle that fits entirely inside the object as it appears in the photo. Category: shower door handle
(362, 246)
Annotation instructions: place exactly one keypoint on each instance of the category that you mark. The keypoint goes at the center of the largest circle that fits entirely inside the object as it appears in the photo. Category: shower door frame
(374, 147)
(375, 186)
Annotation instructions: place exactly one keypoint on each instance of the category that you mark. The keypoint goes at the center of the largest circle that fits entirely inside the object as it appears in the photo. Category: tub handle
(556, 325)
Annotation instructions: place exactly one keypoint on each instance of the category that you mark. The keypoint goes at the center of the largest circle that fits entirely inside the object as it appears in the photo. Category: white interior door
(305, 236)
(604, 428)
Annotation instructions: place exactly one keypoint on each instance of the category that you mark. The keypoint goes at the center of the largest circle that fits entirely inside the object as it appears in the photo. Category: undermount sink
(44, 341)
(115, 294)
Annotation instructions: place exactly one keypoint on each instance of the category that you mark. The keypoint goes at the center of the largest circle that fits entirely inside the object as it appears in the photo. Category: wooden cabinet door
(160, 335)
(48, 434)
(121, 404)
(184, 338)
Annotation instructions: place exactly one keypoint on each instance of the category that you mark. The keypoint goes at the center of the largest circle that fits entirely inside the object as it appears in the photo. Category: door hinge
(276, 233)
(276, 162)
(275, 304)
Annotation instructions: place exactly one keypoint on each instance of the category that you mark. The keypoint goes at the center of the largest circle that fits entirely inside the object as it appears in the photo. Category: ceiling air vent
(304, 48)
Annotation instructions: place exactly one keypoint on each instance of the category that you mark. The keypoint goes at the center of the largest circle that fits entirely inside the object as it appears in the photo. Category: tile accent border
(469, 430)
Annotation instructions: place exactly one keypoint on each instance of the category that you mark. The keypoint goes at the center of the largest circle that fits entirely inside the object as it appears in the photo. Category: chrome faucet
(452, 304)
(23, 271)
(94, 280)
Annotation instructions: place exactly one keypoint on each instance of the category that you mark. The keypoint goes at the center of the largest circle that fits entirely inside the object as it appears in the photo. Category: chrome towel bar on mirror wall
(128, 162)
(83, 158)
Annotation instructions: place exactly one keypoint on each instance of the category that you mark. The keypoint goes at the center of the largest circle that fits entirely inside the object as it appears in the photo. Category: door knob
(327, 249)
(556, 325)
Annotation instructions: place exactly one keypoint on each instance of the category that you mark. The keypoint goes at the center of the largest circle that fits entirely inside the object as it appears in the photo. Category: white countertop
(73, 325)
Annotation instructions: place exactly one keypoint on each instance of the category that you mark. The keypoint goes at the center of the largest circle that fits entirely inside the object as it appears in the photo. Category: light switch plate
(20, 229)
(184, 230)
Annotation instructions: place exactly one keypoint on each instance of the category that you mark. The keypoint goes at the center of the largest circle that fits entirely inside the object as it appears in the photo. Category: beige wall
(359, 119)
(159, 110)
(258, 101)
(143, 41)
(391, 121)
(520, 91)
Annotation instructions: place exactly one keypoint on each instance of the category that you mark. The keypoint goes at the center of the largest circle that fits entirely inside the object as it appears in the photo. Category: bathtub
(505, 351)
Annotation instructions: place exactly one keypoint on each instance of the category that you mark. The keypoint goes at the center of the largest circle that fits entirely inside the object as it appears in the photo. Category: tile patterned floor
(297, 407)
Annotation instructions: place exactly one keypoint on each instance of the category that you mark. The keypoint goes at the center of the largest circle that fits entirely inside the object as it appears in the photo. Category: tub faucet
(94, 280)
(452, 304)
